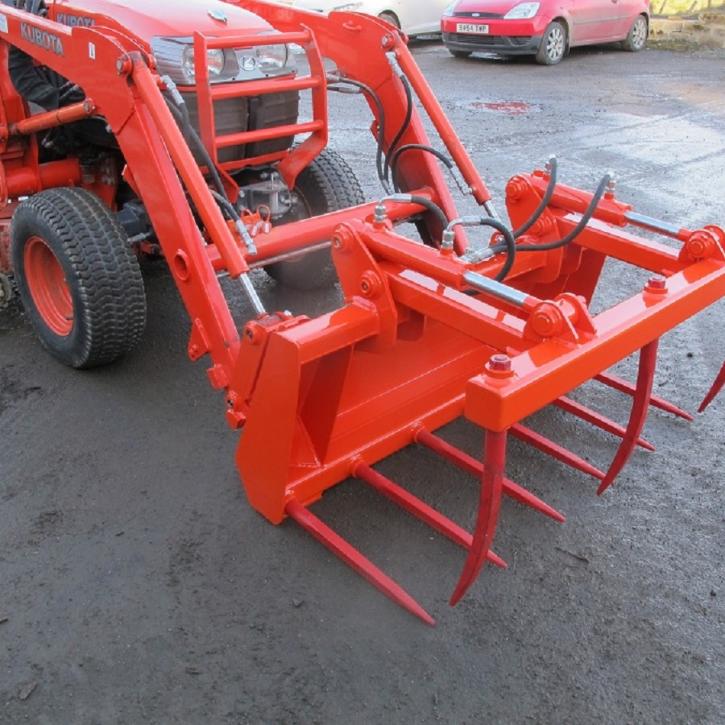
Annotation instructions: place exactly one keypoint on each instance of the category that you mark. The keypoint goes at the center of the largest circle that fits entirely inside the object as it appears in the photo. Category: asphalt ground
(137, 585)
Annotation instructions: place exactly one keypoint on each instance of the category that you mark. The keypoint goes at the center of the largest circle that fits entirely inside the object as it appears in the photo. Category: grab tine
(640, 408)
(420, 509)
(355, 560)
(494, 465)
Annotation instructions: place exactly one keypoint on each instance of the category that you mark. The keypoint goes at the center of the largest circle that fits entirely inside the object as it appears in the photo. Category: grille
(233, 115)
(487, 40)
(485, 16)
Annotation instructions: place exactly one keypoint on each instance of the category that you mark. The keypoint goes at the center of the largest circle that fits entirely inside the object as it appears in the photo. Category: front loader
(175, 130)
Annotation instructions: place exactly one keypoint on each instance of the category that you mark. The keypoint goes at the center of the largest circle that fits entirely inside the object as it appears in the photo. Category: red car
(546, 29)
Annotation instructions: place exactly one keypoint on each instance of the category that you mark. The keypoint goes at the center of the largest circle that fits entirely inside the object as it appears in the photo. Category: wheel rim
(639, 33)
(48, 286)
(555, 44)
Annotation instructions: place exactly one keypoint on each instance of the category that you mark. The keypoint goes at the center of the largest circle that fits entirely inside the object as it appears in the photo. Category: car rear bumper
(504, 44)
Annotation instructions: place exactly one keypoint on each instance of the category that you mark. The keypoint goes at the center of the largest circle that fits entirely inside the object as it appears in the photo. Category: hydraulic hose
(381, 120)
(403, 128)
(579, 228)
(546, 199)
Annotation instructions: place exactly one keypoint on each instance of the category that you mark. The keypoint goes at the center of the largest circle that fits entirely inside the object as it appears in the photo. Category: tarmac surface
(137, 585)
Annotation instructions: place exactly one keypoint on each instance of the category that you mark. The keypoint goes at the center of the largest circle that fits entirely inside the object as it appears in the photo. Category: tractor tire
(327, 184)
(391, 18)
(554, 44)
(636, 39)
(77, 277)
(460, 53)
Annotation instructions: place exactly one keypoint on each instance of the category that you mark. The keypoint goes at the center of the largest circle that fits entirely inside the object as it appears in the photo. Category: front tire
(554, 43)
(327, 184)
(78, 278)
(636, 39)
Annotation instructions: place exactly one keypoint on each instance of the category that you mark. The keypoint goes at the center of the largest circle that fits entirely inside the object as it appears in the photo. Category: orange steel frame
(423, 335)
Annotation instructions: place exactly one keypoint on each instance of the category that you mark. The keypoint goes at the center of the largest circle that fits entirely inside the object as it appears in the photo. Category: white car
(413, 17)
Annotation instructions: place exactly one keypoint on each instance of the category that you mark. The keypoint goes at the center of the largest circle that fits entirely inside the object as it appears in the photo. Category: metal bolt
(449, 237)
(381, 213)
(612, 184)
(656, 285)
(500, 363)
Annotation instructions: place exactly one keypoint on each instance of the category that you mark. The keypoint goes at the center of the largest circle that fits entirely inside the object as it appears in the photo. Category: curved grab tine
(640, 408)
(494, 465)
(717, 386)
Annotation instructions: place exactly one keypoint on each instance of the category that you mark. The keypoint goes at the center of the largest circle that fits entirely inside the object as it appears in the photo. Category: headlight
(215, 61)
(450, 10)
(522, 11)
(175, 57)
(270, 59)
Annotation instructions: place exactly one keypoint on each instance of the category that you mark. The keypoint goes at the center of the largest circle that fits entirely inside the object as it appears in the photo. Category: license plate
(474, 28)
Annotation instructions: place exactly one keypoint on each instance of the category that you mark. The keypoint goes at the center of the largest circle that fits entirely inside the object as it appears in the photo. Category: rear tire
(554, 43)
(327, 184)
(460, 53)
(636, 39)
(77, 277)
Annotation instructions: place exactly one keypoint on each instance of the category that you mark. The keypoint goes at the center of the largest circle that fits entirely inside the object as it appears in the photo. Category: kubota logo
(41, 38)
(75, 21)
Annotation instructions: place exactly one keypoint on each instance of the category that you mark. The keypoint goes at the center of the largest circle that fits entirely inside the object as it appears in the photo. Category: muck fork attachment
(426, 336)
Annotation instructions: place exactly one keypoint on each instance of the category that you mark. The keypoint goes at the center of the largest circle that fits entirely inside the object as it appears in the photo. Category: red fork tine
(600, 421)
(554, 450)
(355, 560)
(421, 510)
(717, 386)
(494, 465)
(656, 402)
(640, 408)
(469, 464)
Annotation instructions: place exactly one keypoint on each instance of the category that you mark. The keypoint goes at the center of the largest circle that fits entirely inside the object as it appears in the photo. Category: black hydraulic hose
(509, 246)
(226, 205)
(579, 228)
(428, 149)
(574, 233)
(403, 128)
(431, 207)
(546, 199)
(192, 136)
(381, 121)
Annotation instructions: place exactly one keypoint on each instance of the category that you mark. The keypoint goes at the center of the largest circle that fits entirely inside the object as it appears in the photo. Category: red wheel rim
(48, 286)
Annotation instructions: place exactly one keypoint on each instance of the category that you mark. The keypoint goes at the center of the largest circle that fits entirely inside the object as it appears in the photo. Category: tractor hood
(149, 18)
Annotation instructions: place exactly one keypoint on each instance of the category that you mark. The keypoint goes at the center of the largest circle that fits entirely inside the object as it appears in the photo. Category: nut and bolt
(657, 285)
(500, 363)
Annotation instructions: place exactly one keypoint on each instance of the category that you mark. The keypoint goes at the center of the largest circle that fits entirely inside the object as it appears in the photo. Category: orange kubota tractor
(173, 129)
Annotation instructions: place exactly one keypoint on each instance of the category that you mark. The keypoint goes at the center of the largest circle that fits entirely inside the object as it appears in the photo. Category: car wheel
(637, 37)
(553, 44)
(391, 18)
(460, 53)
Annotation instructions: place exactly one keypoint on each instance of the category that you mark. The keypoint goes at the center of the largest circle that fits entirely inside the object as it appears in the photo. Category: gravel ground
(137, 586)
